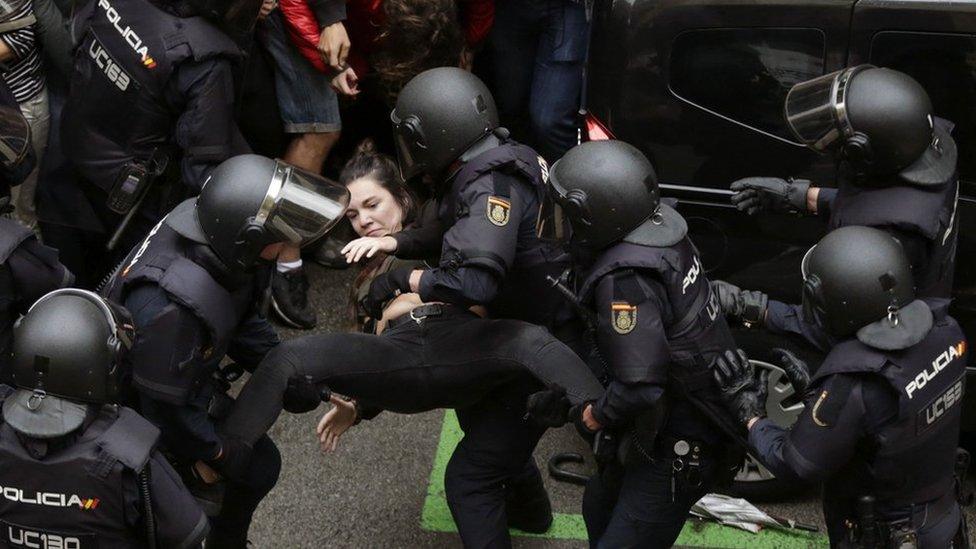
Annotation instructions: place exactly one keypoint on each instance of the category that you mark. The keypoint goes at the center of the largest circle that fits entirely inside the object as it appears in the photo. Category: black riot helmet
(249, 202)
(858, 280)
(879, 120)
(606, 191)
(69, 349)
(439, 115)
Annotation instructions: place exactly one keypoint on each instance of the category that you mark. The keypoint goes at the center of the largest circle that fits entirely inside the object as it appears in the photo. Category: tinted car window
(744, 74)
(945, 65)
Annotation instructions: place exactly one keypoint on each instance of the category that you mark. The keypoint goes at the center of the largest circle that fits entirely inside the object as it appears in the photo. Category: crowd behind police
(505, 272)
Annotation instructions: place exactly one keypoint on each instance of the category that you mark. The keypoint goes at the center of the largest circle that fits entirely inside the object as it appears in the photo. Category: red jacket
(364, 18)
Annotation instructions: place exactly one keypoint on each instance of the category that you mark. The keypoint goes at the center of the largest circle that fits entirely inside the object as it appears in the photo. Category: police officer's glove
(796, 370)
(744, 392)
(770, 194)
(234, 458)
(549, 407)
(302, 395)
(747, 306)
(384, 288)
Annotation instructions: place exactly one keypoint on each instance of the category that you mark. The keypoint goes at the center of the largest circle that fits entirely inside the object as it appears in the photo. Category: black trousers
(457, 360)
(635, 506)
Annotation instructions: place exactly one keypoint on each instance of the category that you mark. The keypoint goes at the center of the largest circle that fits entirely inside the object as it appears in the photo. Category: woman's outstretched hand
(335, 422)
(368, 246)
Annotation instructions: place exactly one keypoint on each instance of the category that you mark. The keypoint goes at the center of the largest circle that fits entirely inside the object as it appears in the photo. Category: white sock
(285, 266)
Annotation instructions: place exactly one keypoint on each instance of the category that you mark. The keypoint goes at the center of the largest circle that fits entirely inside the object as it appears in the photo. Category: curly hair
(417, 35)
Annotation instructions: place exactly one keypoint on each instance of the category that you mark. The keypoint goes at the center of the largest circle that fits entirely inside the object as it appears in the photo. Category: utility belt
(684, 456)
(421, 313)
(869, 532)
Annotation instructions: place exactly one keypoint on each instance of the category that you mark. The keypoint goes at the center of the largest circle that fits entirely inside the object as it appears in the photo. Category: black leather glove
(747, 306)
(234, 459)
(302, 395)
(796, 370)
(770, 194)
(549, 407)
(384, 288)
(743, 391)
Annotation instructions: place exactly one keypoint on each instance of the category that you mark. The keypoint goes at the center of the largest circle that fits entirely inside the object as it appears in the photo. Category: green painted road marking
(437, 518)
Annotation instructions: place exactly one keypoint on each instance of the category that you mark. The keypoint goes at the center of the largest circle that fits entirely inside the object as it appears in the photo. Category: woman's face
(373, 211)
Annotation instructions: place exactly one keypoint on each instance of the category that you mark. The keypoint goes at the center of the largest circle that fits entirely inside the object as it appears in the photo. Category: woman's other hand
(335, 422)
(367, 246)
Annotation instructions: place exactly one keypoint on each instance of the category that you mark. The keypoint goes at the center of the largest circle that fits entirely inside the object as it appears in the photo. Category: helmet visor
(302, 206)
(411, 147)
(816, 109)
(553, 223)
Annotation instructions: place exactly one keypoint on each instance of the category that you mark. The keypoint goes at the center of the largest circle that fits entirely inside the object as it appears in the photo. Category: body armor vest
(74, 497)
(117, 111)
(928, 211)
(911, 459)
(171, 261)
(525, 294)
(697, 333)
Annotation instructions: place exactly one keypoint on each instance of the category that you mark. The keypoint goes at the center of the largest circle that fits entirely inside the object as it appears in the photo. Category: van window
(945, 65)
(744, 74)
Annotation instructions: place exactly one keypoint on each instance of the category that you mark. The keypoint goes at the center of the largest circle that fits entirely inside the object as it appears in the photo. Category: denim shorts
(307, 102)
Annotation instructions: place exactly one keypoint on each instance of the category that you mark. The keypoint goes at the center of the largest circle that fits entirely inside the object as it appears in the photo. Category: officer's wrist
(752, 421)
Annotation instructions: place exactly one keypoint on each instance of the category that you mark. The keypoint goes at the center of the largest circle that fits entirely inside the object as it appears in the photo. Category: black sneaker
(289, 298)
(527, 506)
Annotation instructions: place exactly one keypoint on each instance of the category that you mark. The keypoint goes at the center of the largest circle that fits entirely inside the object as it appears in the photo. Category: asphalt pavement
(383, 487)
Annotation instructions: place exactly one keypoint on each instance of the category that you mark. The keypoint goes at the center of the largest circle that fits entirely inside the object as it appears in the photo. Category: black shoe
(289, 298)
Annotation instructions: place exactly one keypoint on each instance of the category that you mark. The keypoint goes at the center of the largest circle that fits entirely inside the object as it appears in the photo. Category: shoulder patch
(830, 402)
(623, 316)
(498, 210)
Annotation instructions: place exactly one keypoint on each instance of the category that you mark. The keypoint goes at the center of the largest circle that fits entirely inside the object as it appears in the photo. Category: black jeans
(633, 505)
(451, 361)
(457, 360)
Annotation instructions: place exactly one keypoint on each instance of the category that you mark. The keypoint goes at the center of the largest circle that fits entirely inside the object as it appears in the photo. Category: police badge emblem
(623, 315)
(498, 211)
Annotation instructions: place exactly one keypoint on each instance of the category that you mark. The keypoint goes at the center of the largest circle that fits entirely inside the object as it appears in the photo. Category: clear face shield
(411, 146)
(300, 206)
(816, 110)
(15, 137)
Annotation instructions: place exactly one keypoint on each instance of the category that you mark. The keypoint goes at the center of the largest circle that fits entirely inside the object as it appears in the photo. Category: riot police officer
(898, 173)
(28, 269)
(152, 86)
(489, 187)
(84, 471)
(883, 411)
(657, 327)
(193, 286)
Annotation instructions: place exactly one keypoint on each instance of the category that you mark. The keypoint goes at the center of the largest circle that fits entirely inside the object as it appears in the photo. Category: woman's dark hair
(381, 168)
(417, 35)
